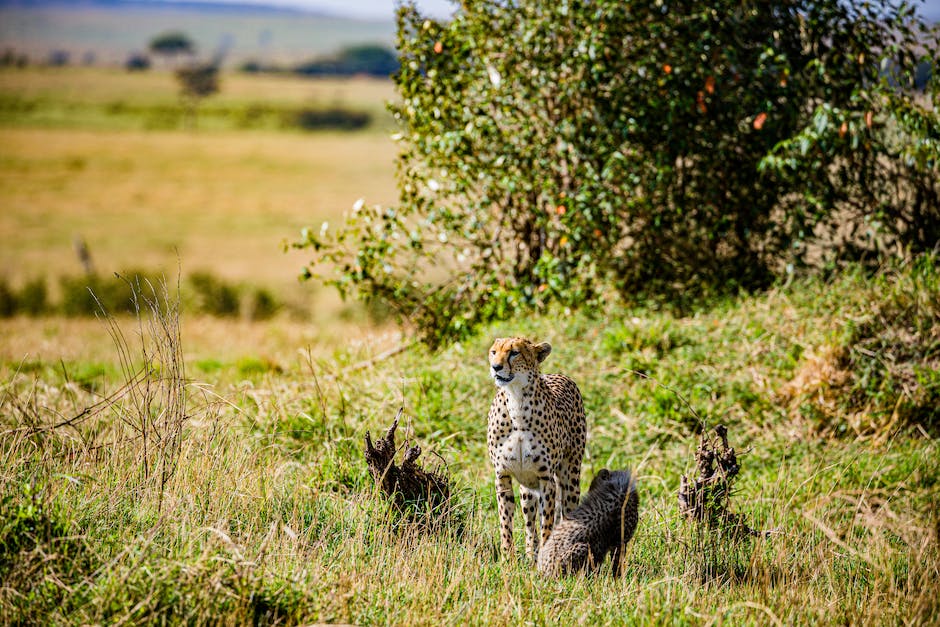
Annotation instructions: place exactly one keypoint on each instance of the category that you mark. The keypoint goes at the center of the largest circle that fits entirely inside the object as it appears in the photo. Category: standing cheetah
(536, 436)
(604, 522)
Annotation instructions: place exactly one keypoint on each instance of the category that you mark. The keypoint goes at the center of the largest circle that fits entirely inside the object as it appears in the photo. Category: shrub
(11, 58)
(93, 294)
(369, 60)
(7, 300)
(332, 118)
(251, 66)
(137, 62)
(81, 295)
(260, 304)
(198, 80)
(58, 58)
(33, 298)
(214, 296)
(662, 149)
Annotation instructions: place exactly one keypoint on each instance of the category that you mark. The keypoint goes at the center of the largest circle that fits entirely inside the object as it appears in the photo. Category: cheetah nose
(497, 367)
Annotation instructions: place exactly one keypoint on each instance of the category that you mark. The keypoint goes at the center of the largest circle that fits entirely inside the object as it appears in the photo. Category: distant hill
(108, 31)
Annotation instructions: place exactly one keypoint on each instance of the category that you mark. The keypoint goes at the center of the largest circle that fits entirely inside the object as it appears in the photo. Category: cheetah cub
(602, 524)
(536, 436)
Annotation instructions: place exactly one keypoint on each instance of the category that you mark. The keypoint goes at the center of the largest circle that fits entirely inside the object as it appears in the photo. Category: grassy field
(113, 99)
(218, 199)
(224, 202)
(176, 499)
(203, 470)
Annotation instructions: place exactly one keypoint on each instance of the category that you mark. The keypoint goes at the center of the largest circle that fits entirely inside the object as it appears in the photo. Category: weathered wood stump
(706, 499)
(408, 485)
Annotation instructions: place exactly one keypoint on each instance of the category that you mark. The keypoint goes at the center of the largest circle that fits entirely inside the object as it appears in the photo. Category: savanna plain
(175, 466)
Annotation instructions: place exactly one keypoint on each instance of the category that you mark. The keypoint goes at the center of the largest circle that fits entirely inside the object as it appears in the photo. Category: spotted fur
(602, 524)
(535, 435)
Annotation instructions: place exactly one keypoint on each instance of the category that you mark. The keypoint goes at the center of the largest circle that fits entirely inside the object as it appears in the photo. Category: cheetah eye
(513, 354)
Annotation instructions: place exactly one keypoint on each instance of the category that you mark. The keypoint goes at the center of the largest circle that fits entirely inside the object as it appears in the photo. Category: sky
(385, 9)
(371, 9)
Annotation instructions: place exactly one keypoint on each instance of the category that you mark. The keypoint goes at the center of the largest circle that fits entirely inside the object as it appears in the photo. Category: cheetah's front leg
(505, 503)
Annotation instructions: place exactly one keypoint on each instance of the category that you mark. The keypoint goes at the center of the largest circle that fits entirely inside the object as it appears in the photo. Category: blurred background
(185, 139)
(191, 141)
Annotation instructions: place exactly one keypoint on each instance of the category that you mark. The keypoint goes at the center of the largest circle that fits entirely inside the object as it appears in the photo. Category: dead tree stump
(706, 499)
(408, 485)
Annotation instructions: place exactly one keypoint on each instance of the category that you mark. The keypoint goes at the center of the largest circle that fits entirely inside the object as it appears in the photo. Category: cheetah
(602, 524)
(535, 435)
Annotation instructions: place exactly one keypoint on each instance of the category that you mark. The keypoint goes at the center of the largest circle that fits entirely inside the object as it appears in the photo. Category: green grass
(112, 99)
(249, 500)
(270, 515)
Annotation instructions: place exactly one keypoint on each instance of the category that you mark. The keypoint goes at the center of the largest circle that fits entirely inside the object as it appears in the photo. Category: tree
(172, 45)
(558, 151)
(137, 62)
(197, 81)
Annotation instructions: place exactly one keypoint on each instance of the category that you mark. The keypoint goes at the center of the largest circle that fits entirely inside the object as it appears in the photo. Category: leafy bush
(214, 296)
(58, 58)
(11, 58)
(662, 149)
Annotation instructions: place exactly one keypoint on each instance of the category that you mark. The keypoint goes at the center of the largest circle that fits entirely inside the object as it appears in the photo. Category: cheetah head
(618, 479)
(515, 360)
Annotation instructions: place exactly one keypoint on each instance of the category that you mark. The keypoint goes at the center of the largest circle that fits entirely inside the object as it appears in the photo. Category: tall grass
(268, 514)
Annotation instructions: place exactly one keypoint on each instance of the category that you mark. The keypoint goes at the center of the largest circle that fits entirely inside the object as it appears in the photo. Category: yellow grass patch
(282, 344)
(223, 202)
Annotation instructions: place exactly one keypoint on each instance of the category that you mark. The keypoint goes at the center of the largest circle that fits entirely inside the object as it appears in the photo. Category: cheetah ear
(542, 351)
(603, 474)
